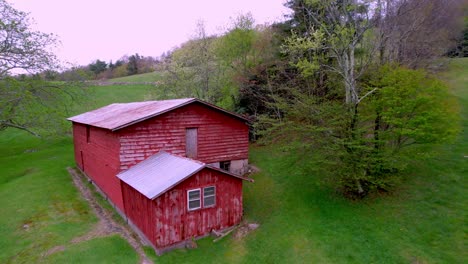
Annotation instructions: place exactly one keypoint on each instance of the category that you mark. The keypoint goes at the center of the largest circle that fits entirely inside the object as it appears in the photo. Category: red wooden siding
(99, 158)
(220, 136)
(166, 220)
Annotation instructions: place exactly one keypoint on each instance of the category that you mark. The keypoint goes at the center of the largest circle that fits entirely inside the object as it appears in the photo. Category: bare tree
(415, 32)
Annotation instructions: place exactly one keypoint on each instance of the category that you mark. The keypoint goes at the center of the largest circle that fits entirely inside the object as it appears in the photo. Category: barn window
(209, 196)
(225, 165)
(194, 199)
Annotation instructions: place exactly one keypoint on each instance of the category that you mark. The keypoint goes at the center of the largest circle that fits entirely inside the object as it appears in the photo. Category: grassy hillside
(41, 208)
(145, 77)
(300, 220)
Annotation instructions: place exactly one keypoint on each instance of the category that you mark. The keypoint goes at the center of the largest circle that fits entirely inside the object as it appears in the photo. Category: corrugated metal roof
(160, 172)
(120, 115)
(116, 116)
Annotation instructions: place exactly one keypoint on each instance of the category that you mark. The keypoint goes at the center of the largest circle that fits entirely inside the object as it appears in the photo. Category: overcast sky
(109, 29)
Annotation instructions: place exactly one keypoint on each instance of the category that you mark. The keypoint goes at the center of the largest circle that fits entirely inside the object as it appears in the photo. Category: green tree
(97, 67)
(409, 112)
(22, 48)
(132, 66)
(27, 102)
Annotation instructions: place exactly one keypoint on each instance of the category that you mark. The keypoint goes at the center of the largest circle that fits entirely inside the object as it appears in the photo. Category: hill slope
(300, 220)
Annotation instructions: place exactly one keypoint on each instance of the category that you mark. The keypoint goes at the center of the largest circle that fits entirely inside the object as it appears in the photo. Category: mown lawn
(300, 220)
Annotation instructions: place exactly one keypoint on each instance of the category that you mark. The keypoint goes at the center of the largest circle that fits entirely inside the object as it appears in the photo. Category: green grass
(424, 221)
(301, 221)
(144, 77)
(111, 249)
(40, 206)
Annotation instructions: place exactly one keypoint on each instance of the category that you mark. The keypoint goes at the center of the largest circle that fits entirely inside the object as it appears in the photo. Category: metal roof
(162, 171)
(158, 173)
(119, 115)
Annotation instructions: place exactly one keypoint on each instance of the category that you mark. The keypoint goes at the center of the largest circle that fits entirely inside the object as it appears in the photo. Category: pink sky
(109, 29)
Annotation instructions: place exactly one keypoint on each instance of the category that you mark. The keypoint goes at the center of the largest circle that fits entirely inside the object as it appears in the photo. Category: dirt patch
(244, 229)
(106, 225)
(253, 169)
(54, 250)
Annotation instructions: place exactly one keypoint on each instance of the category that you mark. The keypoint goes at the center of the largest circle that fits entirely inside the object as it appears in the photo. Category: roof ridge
(182, 157)
(116, 116)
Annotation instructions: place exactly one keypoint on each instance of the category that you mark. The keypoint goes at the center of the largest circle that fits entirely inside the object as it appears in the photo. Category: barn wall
(99, 159)
(220, 136)
(166, 221)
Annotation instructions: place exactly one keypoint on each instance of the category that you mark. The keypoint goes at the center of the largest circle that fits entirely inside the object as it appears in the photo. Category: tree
(336, 41)
(97, 67)
(192, 70)
(339, 30)
(132, 66)
(20, 47)
(27, 102)
(414, 33)
(365, 130)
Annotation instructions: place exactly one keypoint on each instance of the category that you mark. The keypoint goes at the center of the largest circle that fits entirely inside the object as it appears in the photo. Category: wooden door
(191, 142)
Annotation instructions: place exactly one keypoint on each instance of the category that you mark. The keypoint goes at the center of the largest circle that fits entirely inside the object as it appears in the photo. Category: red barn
(173, 168)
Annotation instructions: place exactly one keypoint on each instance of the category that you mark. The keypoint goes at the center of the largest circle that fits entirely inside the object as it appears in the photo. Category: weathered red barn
(173, 168)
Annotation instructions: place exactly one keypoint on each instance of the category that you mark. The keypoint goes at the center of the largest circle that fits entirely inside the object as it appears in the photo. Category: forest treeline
(349, 84)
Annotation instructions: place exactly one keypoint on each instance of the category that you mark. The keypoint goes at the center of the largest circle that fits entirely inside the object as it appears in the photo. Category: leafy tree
(366, 130)
(22, 48)
(409, 112)
(97, 67)
(35, 105)
(192, 70)
(27, 102)
(132, 66)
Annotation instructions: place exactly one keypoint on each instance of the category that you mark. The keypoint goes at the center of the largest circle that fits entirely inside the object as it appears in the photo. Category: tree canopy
(22, 48)
(28, 102)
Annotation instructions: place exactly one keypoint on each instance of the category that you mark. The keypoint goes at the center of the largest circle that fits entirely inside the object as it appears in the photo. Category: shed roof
(119, 115)
(162, 171)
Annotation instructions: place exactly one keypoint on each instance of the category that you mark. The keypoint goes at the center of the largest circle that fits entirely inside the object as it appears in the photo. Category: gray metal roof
(120, 115)
(162, 171)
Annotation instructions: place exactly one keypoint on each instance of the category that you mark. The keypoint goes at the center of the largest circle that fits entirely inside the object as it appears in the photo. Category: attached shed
(171, 199)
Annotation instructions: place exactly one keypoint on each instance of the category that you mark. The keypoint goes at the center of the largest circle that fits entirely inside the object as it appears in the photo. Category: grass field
(41, 208)
(145, 77)
(300, 221)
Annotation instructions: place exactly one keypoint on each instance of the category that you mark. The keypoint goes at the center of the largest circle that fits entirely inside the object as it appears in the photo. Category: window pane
(194, 195)
(225, 165)
(209, 191)
(194, 204)
(209, 201)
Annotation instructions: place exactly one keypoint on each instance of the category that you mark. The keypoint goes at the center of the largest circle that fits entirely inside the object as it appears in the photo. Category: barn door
(191, 142)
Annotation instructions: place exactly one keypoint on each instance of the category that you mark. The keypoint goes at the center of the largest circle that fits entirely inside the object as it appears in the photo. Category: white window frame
(188, 199)
(214, 195)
